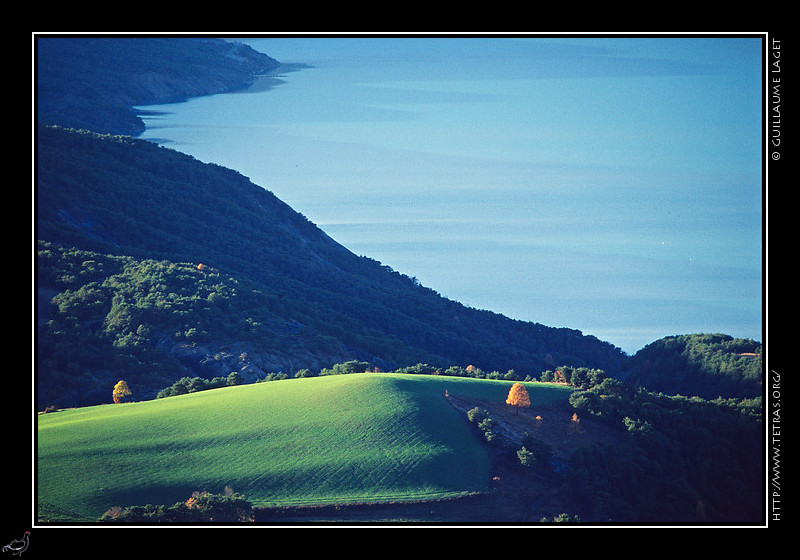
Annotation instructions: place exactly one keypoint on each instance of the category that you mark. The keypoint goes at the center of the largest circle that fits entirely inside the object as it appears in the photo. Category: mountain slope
(121, 196)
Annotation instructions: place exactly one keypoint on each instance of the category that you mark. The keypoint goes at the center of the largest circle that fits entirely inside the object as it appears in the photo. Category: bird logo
(17, 547)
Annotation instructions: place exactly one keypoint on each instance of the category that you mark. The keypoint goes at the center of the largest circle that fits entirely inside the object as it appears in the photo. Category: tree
(518, 396)
(121, 391)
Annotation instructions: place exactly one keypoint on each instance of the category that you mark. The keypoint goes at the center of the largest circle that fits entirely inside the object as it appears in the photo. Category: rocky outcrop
(251, 363)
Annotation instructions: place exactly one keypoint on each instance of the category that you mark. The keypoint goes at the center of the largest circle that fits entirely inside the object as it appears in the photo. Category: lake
(611, 185)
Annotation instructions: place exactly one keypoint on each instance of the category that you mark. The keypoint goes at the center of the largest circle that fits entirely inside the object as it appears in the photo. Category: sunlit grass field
(332, 439)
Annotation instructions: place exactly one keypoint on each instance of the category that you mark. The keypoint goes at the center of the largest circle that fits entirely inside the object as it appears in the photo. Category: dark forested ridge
(94, 82)
(703, 365)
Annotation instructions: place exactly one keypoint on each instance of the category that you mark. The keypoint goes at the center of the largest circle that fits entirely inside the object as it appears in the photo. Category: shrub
(526, 458)
(235, 378)
(353, 366)
(486, 425)
(562, 518)
(476, 415)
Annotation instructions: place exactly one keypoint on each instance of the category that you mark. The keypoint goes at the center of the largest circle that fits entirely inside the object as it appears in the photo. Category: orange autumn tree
(518, 396)
(121, 391)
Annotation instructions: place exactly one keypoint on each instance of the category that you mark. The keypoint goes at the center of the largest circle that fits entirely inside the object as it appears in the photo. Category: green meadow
(318, 440)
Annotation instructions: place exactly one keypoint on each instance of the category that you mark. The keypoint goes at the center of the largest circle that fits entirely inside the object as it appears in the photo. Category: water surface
(608, 185)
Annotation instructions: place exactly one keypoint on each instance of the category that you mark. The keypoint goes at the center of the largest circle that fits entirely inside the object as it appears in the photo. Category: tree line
(581, 378)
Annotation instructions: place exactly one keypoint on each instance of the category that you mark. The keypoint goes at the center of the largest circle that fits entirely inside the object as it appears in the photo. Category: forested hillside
(684, 459)
(703, 365)
(115, 195)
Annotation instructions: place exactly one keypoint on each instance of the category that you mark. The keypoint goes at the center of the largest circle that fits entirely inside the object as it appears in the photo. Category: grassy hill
(334, 439)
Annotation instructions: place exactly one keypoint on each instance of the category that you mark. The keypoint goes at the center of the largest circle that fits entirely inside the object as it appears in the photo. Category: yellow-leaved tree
(518, 396)
(121, 391)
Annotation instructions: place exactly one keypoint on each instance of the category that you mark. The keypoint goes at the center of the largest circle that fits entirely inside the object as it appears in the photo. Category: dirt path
(555, 424)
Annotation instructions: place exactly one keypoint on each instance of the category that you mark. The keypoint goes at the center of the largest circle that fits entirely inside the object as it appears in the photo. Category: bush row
(186, 385)
(228, 507)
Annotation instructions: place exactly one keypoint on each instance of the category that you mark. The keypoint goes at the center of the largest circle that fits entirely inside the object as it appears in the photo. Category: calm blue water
(608, 185)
